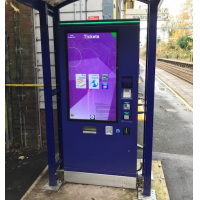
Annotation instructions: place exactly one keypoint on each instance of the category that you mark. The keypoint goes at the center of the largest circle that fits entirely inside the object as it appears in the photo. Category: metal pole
(56, 19)
(74, 11)
(16, 22)
(36, 88)
(47, 92)
(8, 92)
(85, 9)
(6, 127)
(160, 48)
(149, 95)
(80, 9)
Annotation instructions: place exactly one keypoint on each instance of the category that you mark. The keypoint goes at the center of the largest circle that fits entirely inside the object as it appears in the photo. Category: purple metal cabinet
(90, 158)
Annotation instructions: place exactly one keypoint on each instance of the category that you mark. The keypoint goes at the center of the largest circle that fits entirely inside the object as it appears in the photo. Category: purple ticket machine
(99, 67)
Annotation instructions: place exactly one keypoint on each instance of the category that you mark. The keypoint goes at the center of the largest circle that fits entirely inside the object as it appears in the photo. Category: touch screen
(92, 65)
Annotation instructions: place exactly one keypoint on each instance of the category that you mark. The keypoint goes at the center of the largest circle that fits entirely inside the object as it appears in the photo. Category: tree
(185, 42)
(187, 12)
(185, 18)
(180, 40)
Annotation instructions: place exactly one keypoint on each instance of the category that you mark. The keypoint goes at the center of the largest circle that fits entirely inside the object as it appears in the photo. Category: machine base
(100, 179)
(52, 188)
(143, 197)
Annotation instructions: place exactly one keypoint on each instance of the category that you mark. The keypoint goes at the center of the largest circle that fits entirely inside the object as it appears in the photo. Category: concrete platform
(69, 191)
(173, 138)
(184, 89)
(181, 87)
(172, 145)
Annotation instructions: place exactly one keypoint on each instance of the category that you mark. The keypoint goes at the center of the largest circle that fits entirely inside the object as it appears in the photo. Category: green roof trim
(100, 22)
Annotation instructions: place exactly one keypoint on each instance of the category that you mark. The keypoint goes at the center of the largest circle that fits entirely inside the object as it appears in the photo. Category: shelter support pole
(57, 68)
(149, 95)
(47, 92)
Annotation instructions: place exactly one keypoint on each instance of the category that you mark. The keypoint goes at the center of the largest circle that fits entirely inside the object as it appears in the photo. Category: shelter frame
(44, 10)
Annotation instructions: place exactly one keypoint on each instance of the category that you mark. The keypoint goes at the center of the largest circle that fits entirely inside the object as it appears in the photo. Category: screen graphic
(92, 64)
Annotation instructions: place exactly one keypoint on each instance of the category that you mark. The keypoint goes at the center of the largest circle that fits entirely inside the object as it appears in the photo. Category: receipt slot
(99, 67)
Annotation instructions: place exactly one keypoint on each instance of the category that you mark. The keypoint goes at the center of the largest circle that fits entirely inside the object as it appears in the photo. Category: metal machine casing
(100, 154)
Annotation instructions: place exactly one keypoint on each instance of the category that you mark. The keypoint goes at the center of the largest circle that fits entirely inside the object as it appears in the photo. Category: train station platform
(181, 87)
(71, 191)
(172, 135)
(172, 153)
(184, 89)
(172, 167)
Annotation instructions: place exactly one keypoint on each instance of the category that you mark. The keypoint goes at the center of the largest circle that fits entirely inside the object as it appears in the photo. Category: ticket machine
(99, 67)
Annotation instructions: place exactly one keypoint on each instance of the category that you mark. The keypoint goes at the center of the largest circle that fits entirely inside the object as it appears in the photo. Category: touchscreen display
(92, 65)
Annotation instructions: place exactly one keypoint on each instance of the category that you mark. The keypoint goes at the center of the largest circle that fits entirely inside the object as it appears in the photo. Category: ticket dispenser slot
(89, 129)
(127, 85)
(127, 90)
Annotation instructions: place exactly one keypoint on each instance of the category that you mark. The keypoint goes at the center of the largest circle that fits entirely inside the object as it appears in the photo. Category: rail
(185, 73)
(184, 64)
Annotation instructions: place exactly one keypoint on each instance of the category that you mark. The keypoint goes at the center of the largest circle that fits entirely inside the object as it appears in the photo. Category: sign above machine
(93, 18)
(163, 14)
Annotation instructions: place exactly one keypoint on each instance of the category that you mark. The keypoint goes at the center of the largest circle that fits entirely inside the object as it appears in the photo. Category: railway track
(182, 71)
(180, 63)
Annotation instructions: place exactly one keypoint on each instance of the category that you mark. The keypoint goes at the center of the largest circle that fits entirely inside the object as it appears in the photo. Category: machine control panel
(109, 130)
(126, 131)
(126, 106)
(126, 98)
(127, 93)
(126, 116)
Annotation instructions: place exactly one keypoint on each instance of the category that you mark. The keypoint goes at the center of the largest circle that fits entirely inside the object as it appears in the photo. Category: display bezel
(67, 73)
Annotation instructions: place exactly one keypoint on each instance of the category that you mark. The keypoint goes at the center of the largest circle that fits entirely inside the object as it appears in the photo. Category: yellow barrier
(27, 85)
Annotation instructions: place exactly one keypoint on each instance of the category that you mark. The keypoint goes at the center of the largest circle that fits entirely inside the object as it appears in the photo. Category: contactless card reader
(126, 106)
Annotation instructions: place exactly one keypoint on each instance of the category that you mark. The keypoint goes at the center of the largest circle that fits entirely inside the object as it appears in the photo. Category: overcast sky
(174, 7)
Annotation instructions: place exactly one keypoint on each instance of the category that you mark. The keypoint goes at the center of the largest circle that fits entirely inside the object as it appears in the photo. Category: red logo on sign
(93, 18)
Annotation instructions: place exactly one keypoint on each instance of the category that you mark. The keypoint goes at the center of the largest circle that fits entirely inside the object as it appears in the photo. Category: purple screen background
(94, 54)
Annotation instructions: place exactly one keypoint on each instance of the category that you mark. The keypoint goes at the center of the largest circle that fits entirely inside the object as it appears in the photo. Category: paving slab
(178, 171)
(70, 191)
(173, 121)
(173, 137)
(180, 86)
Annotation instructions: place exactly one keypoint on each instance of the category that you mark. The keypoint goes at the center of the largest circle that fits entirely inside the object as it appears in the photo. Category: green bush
(184, 41)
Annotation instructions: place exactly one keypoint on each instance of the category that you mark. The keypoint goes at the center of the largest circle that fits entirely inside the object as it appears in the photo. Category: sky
(174, 7)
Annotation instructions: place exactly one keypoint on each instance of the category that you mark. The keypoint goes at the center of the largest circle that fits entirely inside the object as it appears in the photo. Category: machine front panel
(100, 124)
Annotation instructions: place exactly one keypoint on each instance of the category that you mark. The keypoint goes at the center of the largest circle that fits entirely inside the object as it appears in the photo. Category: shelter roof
(60, 3)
